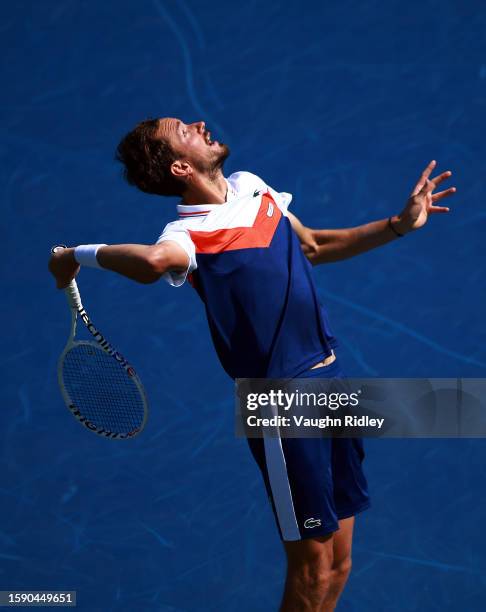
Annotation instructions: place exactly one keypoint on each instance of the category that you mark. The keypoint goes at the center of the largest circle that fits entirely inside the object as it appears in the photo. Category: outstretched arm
(325, 246)
(139, 262)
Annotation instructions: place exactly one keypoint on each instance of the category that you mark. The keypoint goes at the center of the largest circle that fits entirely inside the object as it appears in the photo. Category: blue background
(342, 104)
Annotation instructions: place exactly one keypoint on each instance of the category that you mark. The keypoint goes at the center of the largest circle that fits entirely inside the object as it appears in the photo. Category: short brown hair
(147, 160)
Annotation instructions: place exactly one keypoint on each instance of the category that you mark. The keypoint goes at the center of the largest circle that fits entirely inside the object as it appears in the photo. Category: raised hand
(422, 201)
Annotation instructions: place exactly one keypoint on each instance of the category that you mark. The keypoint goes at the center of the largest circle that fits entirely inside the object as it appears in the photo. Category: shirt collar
(201, 210)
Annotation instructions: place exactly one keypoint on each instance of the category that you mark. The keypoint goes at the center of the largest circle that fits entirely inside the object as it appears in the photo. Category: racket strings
(101, 389)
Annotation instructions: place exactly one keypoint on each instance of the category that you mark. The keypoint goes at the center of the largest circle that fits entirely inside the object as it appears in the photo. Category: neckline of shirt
(201, 210)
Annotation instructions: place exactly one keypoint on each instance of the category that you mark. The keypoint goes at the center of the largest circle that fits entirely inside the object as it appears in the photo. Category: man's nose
(200, 126)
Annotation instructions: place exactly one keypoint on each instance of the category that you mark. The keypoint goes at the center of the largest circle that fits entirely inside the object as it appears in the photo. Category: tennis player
(249, 259)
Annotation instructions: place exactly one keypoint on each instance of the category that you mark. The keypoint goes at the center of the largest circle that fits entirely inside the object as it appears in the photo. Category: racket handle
(71, 291)
(72, 295)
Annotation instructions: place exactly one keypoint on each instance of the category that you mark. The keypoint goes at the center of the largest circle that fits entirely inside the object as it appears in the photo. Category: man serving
(249, 259)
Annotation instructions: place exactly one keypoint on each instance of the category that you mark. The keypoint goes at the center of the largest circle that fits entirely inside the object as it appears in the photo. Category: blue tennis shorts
(312, 483)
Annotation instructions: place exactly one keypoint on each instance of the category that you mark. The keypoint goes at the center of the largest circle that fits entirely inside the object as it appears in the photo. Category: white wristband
(85, 255)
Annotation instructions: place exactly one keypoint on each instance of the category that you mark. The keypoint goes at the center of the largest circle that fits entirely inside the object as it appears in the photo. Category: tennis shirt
(247, 266)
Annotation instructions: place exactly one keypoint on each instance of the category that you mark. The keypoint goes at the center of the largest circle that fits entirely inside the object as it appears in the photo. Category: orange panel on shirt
(259, 235)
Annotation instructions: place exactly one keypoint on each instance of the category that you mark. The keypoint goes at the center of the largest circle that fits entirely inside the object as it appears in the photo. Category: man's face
(192, 143)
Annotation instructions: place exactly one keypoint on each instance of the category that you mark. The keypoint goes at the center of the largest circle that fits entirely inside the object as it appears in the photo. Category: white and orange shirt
(246, 263)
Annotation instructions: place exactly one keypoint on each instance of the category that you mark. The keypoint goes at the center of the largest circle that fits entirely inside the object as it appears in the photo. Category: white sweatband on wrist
(85, 255)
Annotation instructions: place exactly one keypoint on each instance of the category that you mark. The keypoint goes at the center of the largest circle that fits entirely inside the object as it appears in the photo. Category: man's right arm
(139, 262)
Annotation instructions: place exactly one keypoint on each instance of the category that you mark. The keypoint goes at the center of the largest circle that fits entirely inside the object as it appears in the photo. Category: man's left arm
(325, 246)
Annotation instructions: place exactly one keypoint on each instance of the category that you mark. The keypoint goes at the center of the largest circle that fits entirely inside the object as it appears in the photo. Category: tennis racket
(98, 385)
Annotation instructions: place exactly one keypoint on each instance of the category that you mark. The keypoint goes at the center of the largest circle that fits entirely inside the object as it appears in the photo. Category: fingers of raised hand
(431, 184)
(442, 177)
(438, 209)
(443, 194)
(422, 182)
(428, 170)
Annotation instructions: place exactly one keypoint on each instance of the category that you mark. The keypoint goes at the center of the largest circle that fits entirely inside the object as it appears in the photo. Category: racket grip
(72, 295)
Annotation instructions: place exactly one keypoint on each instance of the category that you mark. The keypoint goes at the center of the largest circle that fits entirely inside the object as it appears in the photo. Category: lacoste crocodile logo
(310, 523)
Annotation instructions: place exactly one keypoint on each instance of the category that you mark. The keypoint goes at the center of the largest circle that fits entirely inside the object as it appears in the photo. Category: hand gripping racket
(98, 385)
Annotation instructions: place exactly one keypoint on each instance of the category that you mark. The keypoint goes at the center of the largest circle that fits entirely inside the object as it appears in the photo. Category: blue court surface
(340, 103)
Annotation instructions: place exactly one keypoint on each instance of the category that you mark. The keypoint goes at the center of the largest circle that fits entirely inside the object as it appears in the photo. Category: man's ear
(180, 169)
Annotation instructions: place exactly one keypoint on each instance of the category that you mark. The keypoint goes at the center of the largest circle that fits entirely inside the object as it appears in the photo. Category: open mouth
(207, 137)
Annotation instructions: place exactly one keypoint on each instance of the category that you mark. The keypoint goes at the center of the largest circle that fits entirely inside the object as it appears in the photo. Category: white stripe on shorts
(280, 485)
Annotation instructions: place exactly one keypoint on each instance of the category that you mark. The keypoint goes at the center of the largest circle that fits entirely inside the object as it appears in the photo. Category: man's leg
(341, 564)
(317, 570)
(309, 572)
